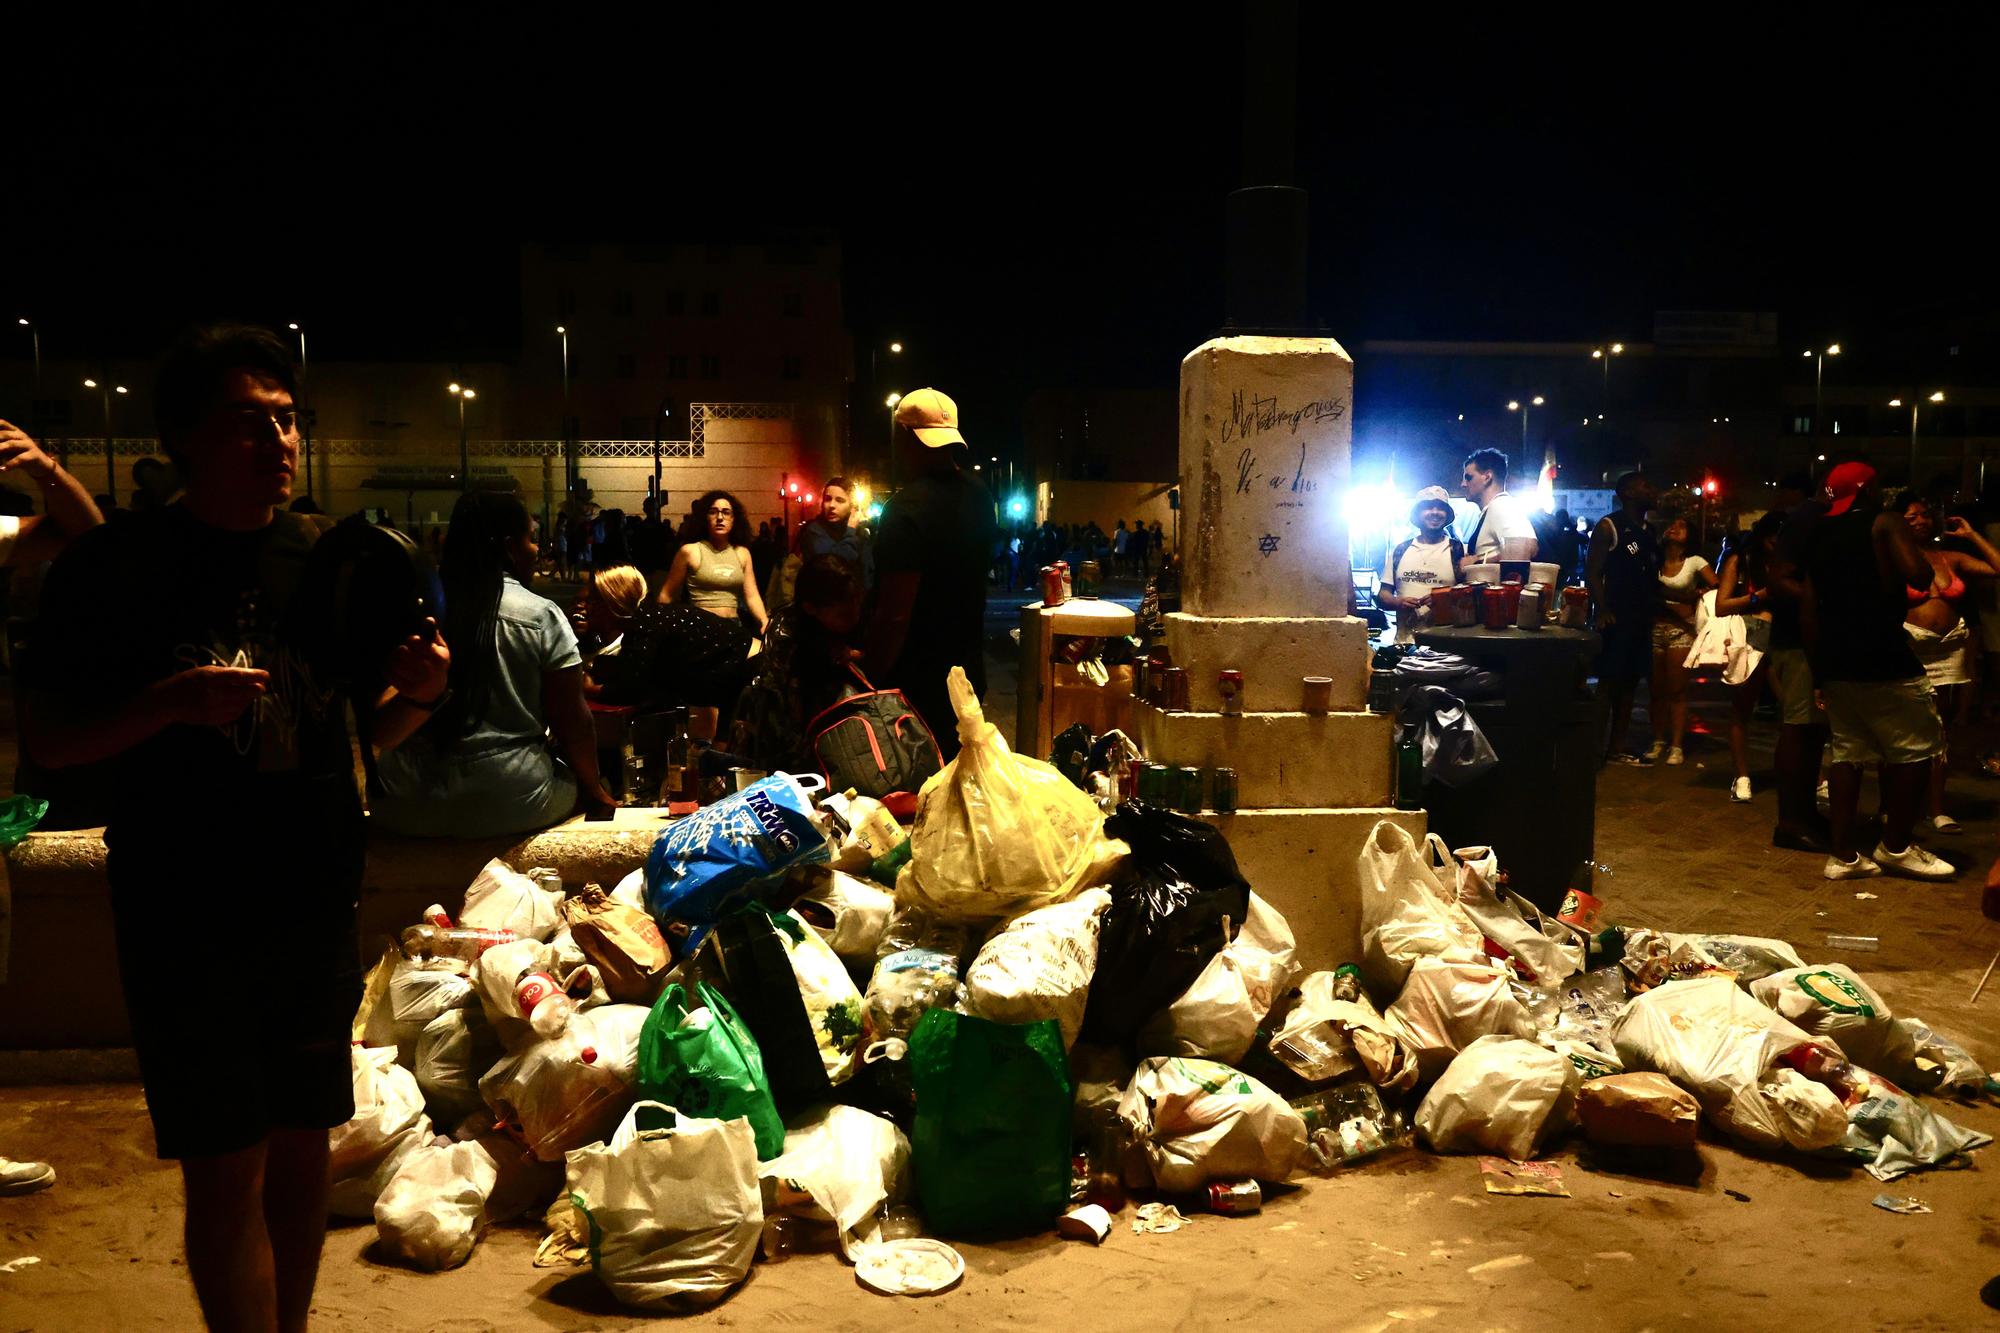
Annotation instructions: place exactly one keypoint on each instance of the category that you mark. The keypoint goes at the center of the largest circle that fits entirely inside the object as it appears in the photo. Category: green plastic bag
(18, 817)
(991, 1151)
(710, 1068)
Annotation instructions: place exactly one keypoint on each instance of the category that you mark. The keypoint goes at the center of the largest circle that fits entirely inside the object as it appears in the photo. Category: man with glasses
(162, 653)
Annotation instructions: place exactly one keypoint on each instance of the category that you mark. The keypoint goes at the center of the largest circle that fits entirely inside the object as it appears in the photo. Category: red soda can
(1235, 1198)
(1052, 586)
(1229, 684)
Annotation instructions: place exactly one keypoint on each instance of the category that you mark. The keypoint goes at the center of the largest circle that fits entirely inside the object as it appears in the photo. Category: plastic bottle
(437, 916)
(1348, 1122)
(461, 942)
(543, 1003)
(683, 776)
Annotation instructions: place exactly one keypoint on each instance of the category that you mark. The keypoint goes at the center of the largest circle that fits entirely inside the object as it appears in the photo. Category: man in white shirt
(1501, 517)
(1418, 567)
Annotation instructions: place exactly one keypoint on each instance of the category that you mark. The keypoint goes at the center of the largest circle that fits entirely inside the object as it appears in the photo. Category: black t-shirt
(1631, 570)
(157, 593)
(1860, 611)
(1794, 549)
(940, 527)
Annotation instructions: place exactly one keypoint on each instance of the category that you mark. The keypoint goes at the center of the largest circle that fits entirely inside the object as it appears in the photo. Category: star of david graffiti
(1267, 543)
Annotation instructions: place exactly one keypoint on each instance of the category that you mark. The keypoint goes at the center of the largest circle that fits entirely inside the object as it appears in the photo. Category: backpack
(874, 742)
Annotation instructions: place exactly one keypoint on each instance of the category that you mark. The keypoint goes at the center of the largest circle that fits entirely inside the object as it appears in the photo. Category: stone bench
(62, 990)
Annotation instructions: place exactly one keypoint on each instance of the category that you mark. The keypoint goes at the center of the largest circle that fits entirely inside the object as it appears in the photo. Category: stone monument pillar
(1264, 442)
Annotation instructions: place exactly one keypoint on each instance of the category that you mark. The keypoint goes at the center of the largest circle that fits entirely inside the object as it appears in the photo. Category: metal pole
(659, 493)
(464, 459)
(569, 453)
(111, 456)
(1913, 444)
(306, 416)
(1819, 382)
(892, 448)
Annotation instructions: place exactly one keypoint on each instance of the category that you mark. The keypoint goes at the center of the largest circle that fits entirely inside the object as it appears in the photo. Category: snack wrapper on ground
(1716, 1041)
(1195, 1121)
(1637, 1111)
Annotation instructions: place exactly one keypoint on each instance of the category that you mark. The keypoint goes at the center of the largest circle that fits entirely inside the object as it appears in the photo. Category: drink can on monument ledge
(1223, 800)
(1229, 684)
(1187, 792)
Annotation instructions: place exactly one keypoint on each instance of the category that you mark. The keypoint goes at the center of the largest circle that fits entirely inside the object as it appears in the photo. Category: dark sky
(1030, 196)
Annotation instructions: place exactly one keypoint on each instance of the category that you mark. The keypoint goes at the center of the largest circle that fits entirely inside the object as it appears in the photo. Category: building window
(565, 302)
(711, 366)
(1801, 425)
(795, 304)
(795, 367)
(677, 302)
(677, 366)
(627, 366)
(711, 303)
(621, 301)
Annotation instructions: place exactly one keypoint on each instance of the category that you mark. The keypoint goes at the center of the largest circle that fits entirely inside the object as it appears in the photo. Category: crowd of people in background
(1865, 619)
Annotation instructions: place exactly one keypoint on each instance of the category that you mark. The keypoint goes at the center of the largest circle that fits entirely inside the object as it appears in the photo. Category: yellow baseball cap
(931, 416)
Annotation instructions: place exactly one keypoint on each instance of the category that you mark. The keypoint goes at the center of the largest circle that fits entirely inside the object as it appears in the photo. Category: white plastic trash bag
(996, 832)
(1545, 952)
(1830, 1001)
(1216, 1017)
(1196, 1121)
(388, 1124)
(431, 1215)
(1039, 965)
(674, 1214)
(1719, 1043)
(572, 1090)
(1325, 1038)
(1501, 1095)
(1446, 1006)
(1943, 1066)
(840, 1165)
(502, 898)
(454, 1049)
(849, 913)
(1409, 910)
(496, 975)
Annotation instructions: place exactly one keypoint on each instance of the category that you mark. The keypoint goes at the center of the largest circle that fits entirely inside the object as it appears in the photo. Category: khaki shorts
(1789, 672)
(1883, 721)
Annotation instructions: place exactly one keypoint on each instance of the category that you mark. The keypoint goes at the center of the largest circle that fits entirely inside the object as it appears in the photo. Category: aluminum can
(1229, 684)
(1088, 578)
(1052, 586)
(1153, 785)
(1187, 790)
(1235, 1198)
(1174, 692)
(1223, 799)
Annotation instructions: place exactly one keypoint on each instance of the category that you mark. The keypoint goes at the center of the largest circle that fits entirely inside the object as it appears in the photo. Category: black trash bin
(1538, 808)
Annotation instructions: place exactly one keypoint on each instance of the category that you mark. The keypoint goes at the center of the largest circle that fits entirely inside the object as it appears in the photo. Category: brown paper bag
(1637, 1111)
(622, 942)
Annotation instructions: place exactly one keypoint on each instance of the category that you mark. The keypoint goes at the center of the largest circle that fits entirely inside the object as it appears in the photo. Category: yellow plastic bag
(998, 833)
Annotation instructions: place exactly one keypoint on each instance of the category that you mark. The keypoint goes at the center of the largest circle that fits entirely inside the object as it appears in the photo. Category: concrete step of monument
(1306, 863)
(1282, 760)
(1275, 655)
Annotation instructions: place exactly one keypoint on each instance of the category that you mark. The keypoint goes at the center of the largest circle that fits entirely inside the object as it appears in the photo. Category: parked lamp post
(1915, 406)
(1603, 355)
(659, 489)
(110, 453)
(1819, 379)
(569, 453)
(305, 415)
(1515, 405)
(464, 396)
(35, 412)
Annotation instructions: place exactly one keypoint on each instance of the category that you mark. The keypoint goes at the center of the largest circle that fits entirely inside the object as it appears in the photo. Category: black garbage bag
(745, 960)
(1165, 919)
(1430, 666)
(1071, 754)
(1455, 750)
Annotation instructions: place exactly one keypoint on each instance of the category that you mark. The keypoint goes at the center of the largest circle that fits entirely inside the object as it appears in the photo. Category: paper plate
(913, 1267)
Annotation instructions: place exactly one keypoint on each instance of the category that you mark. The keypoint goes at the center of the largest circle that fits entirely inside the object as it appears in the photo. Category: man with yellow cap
(933, 551)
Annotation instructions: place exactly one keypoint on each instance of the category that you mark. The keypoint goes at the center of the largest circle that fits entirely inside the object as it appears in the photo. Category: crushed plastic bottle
(461, 942)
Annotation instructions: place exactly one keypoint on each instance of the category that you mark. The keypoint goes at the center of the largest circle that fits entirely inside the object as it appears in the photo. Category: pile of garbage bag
(800, 1026)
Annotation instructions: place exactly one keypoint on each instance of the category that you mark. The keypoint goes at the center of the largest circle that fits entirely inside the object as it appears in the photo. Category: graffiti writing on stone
(1250, 416)
(1294, 484)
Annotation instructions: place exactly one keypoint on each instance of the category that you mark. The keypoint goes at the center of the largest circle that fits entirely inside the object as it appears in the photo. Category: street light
(464, 396)
(1604, 354)
(569, 454)
(35, 409)
(305, 417)
(1915, 406)
(1514, 405)
(110, 456)
(1819, 377)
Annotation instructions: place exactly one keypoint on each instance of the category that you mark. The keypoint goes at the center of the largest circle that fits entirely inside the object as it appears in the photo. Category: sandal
(1946, 824)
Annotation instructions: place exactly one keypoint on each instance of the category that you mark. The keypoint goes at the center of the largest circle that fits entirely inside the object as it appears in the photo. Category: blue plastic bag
(706, 863)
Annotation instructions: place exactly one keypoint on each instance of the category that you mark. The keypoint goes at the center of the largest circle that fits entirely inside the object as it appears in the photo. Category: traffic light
(1710, 486)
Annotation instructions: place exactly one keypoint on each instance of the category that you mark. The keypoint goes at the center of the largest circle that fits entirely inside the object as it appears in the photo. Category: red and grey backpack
(874, 742)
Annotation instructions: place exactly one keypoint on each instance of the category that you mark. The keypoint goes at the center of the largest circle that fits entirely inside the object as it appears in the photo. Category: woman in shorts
(1683, 579)
(1936, 625)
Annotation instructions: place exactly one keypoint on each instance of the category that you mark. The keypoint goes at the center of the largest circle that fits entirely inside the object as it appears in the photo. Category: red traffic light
(807, 497)
(792, 486)
(1710, 487)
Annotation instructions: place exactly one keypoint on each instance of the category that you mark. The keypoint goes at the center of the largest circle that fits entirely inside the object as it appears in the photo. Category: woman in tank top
(713, 565)
(1937, 629)
(1683, 579)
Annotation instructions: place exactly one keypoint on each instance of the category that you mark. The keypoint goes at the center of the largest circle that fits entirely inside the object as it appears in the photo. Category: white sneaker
(1675, 758)
(1913, 862)
(1654, 751)
(24, 1177)
(1859, 868)
(1740, 790)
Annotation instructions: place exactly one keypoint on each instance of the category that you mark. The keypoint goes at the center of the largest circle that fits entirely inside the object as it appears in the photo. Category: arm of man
(895, 600)
(1385, 591)
(61, 734)
(1601, 538)
(71, 511)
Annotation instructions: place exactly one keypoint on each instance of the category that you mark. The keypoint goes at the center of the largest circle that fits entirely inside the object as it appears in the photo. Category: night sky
(1033, 202)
